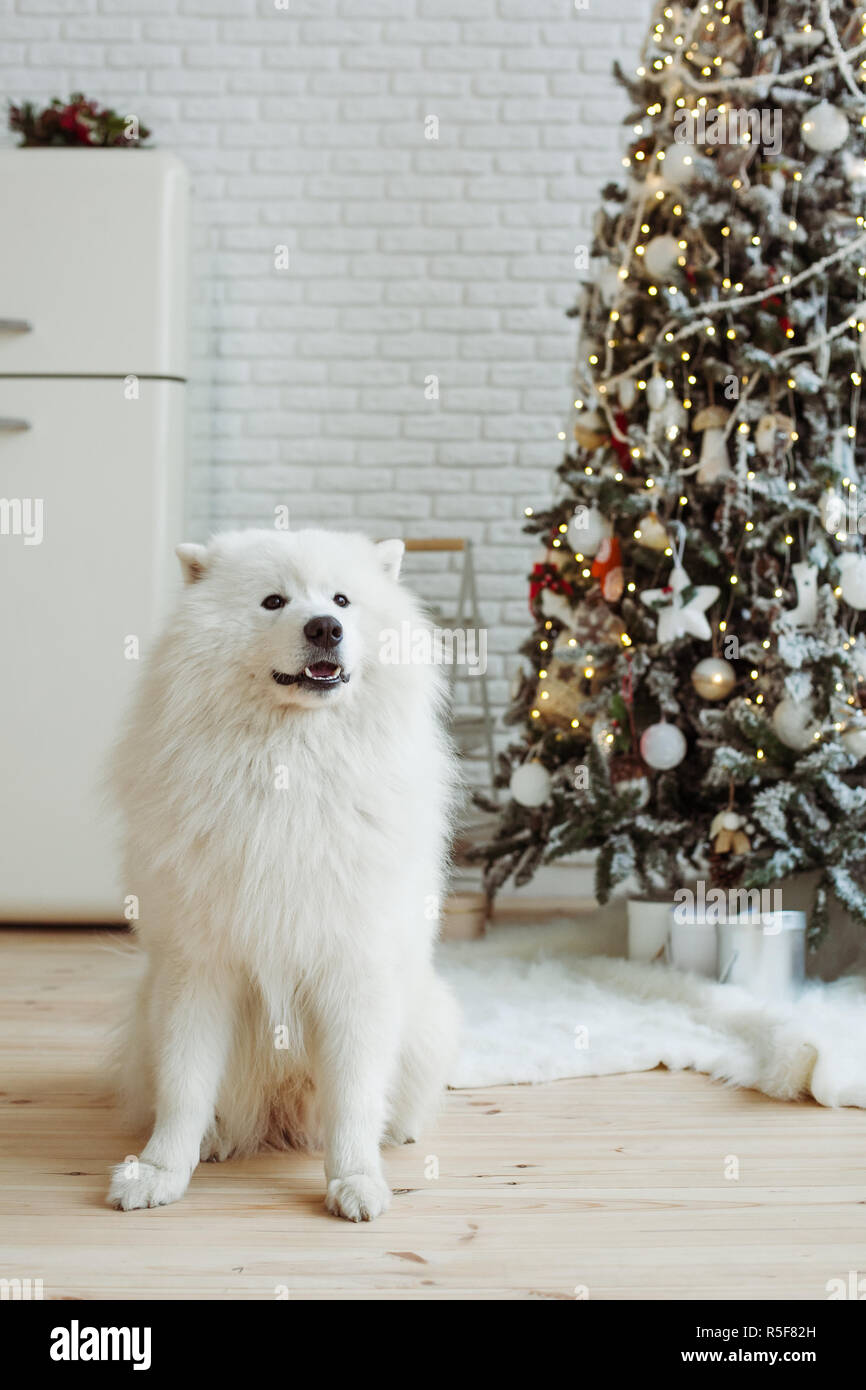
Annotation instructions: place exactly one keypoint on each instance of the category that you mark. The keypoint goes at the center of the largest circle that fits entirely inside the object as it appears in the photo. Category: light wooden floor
(614, 1185)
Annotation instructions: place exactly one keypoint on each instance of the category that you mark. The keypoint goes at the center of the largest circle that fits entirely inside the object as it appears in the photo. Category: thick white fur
(289, 997)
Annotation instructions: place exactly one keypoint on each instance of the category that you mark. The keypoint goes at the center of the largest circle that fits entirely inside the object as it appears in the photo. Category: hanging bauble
(628, 777)
(660, 255)
(549, 591)
(805, 614)
(607, 568)
(794, 723)
(714, 678)
(677, 618)
(824, 128)
(652, 532)
(711, 422)
(854, 739)
(831, 510)
(656, 392)
(728, 833)
(619, 441)
(595, 625)
(678, 165)
(590, 429)
(853, 580)
(565, 695)
(587, 529)
(530, 784)
(662, 746)
(773, 434)
(627, 392)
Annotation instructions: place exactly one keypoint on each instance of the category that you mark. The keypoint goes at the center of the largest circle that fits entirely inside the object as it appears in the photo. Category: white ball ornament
(662, 746)
(530, 784)
(853, 580)
(587, 529)
(794, 723)
(678, 165)
(660, 255)
(714, 678)
(627, 392)
(824, 128)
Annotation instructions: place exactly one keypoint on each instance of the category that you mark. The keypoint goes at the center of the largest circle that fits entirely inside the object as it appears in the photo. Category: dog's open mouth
(319, 675)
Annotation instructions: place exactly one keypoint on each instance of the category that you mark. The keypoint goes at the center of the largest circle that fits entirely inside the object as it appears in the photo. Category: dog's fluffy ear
(192, 561)
(391, 556)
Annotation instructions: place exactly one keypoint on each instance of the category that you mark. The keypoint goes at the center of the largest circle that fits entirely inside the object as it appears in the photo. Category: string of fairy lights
(685, 74)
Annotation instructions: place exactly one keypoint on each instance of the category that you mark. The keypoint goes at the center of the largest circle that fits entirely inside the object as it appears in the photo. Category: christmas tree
(692, 693)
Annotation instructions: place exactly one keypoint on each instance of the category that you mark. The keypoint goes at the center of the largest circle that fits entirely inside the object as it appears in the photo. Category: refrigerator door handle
(10, 423)
(15, 326)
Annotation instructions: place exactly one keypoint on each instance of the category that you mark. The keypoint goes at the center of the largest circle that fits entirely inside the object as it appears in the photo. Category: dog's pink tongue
(322, 668)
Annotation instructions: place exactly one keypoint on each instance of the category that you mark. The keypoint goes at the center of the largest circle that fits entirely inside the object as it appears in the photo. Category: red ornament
(621, 446)
(548, 577)
(607, 567)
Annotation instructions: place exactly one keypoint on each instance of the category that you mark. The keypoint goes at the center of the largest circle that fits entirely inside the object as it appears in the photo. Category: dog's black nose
(324, 631)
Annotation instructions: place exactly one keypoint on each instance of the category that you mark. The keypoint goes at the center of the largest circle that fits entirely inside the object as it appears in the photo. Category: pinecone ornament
(626, 768)
(726, 870)
(728, 835)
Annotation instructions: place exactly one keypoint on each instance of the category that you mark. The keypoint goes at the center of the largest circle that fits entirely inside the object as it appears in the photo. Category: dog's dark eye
(274, 601)
(341, 600)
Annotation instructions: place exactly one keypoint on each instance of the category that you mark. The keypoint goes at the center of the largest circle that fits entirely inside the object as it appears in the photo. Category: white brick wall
(409, 257)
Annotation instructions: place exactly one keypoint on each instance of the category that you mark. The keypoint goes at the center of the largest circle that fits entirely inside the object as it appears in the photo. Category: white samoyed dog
(288, 798)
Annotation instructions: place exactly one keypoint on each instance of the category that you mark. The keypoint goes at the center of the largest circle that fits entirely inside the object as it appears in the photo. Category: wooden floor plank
(613, 1185)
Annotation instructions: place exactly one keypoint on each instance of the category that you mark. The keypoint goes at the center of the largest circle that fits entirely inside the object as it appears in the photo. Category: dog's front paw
(361, 1197)
(215, 1147)
(138, 1184)
(397, 1134)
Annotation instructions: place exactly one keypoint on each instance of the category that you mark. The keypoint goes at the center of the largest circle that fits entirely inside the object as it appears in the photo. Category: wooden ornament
(652, 532)
(773, 435)
(713, 463)
(590, 429)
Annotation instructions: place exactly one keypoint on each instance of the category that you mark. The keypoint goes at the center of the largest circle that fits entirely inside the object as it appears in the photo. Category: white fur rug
(534, 1009)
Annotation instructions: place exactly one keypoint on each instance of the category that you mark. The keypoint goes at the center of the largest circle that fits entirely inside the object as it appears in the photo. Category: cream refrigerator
(93, 363)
